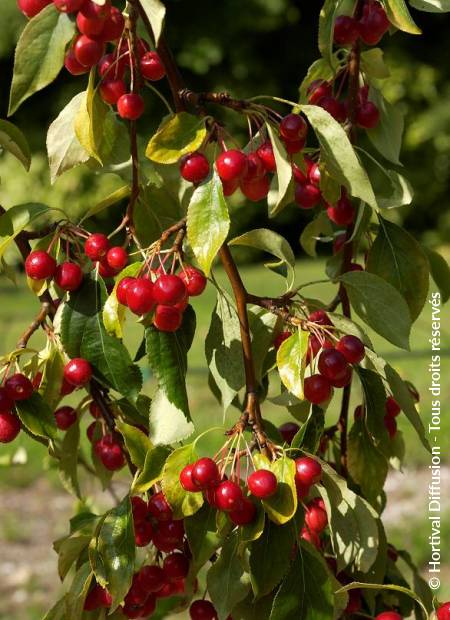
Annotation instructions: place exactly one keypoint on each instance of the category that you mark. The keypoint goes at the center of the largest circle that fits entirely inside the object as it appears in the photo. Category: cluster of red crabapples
(14, 389)
(100, 25)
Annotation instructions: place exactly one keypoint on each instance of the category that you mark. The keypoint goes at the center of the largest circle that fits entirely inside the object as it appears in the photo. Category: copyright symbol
(434, 583)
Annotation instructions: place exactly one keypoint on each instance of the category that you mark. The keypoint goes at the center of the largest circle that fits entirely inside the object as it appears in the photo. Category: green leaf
(68, 462)
(58, 611)
(379, 305)
(116, 196)
(113, 551)
(253, 531)
(271, 242)
(13, 140)
(431, 6)
(373, 65)
(37, 416)
(270, 557)
(338, 154)
(376, 586)
(283, 171)
(203, 535)
(156, 210)
(366, 465)
(170, 418)
(309, 436)
(177, 135)
(155, 11)
(83, 335)
(281, 507)
(39, 54)
(320, 225)
(89, 122)
(71, 547)
(262, 327)
(63, 147)
(394, 191)
(227, 581)
(136, 442)
(330, 10)
(208, 221)
(291, 358)
(74, 599)
(113, 311)
(17, 219)
(319, 70)
(52, 374)
(152, 472)
(399, 15)
(374, 399)
(183, 503)
(387, 135)
(440, 272)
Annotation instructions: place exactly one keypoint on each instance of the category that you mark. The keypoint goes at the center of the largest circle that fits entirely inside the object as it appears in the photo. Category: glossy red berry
(293, 146)
(255, 168)
(280, 338)
(194, 280)
(110, 67)
(90, 26)
(320, 317)
(96, 246)
(65, 417)
(288, 431)
(130, 106)
(171, 531)
(143, 533)
(231, 165)
(373, 23)
(111, 90)
(72, 65)
(229, 187)
(389, 615)
(139, 296)
(194, 167)
(367, 115)
(175, 566)
(255, 190)
(307, 196)
(392, 407)
(91, 430)
(307, 471)
(262, 483)
(110, 453)
(151, 578)
(152, 67)
(139, 509)
(105, 270)
(203, 610)
(205, 473)
(311, 537)
(343, 379)
(343, 212)
(228, 496)
(78, 371)
(169, 289)
(318, 89)
(316, 517)
(443, 612)
(18, 387)
(98, 597)
(9, 427)
(267, 156)
(390, 424)
(68, 6)
(167, 318)
(117, 258)
(186, 479)
(317, 389)
(87, 50)
(332, 364)
(352, 348)
(313, 171)
(245, 514)
(121, 290)
(39, 265)
(113, 26)
(92, 10)
(293, 127)
(159, 507)
(346, 30)
(30, 8)
(68, 276)
(333, 107)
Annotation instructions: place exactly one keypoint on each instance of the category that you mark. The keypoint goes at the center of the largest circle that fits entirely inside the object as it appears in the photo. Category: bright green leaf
(14, 141)
(400, 16)
(113, 312)
(152, 472)
(281, 507)
(283, 171)
(136, 442)
(89, 122)
(183, 503)
(291, 362)
(177, 135)
(17, 219)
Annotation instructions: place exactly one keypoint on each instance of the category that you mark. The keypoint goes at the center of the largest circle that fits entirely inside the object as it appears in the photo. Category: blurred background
(247, 48)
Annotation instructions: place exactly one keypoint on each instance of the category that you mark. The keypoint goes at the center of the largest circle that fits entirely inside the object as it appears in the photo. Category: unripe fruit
(288, 431)
(351, 348)
(256, 189)
(65, 417)
(169, 289)
(167, 318)
(228, 496)
(186, 479)
(307, 196)
(39, 265)
(332, 364)
(151, 578)
(139, 294)
(316, 518)
(72, 65)
(317, 90)
(159, 508)
(130, 106)
(90, 26)
(267, 156)
(317, 389)
(121, 290)
(203, 610)
(205, 473)
(68, 276)
(392, 407)
(262, 483)
(367, 115)
(96, 246)
(113, 26)
(68, 6)
(9, 427)
(194, 280)
(30, 8)
(143, 533)
(18, 387)
(87, 51)
(293, 127)
(194, 167)
(175, 566)
(78, 371)
(443, 612)
(346, 30)
(342, 213)
(231, 165)
(246, 513)
(333, 107)
(117, 258)
(307, 471)
(152, 67)
(389, 615)
(111, 90)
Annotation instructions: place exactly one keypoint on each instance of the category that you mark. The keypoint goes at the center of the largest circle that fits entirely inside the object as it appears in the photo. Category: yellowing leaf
(177, 135)
(291, 362)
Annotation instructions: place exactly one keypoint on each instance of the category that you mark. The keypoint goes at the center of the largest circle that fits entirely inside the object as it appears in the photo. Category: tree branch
(35, 325)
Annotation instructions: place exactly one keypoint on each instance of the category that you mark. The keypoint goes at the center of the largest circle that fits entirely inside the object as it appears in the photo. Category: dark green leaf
(440, 272)
(330, 10)
(388, 133)
(308, 437)
(79, 588)
(37, 416)
(152, 471)
(393, 588)
(136, 442)
(156, 210)
(366, 465)
(320, 225)
(202, 534)
(374, 400)
(68, 462)
(14, 141)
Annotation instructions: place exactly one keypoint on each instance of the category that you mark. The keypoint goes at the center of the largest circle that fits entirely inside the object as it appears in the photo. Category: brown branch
(197, 100)
(35, 325)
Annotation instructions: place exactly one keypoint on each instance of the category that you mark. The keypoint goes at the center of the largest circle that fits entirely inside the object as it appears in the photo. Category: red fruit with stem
(143, 533)
(343, 212)
(443, 612)
(72, 65)
(105, 270)
(39, 265)
(113, 26)
(9, 427)
(333, 107)
(68, 276)
(332, 364)
(267, 156)
(97, 597)
(255, 168)
(288, 431)
(255, 190)
(167, 318)
(373, 23)
(315, 345)
(122, 288)
(313, 171)
(293, 146)
(139, 296)
(175, 566)
(231, 165)
(171, 531)
(78, 372)
(87, 50)
(66, 387)
(346, 30)
(68, 6)
(320, 317)
(130, 106)
(96, 246)
(245, 514)
(311, 537)
(293, 127)
(203, 610)
(159, 507)
(92, 10)
(139, 509)
(110, 67)
(65, 417)
(317, 90)
(152, 67)
(316, 518)
(390, 425)
(110, 453)
(186, 479)
(151, 578)
(169, 289)
(367, 115)
(90, 26)
(18, 387)
(117, 258)
(194, 280)
(205, 473)
(228, 496)
(262, 483)
(392, 407)
(352, 348)
(307, 196)
(194, 167)
(344, 379)
(229, 187)
(136, 594)
(389, 615)
(307, 471)
(111, 90)
(317, 389)
(30, 8)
